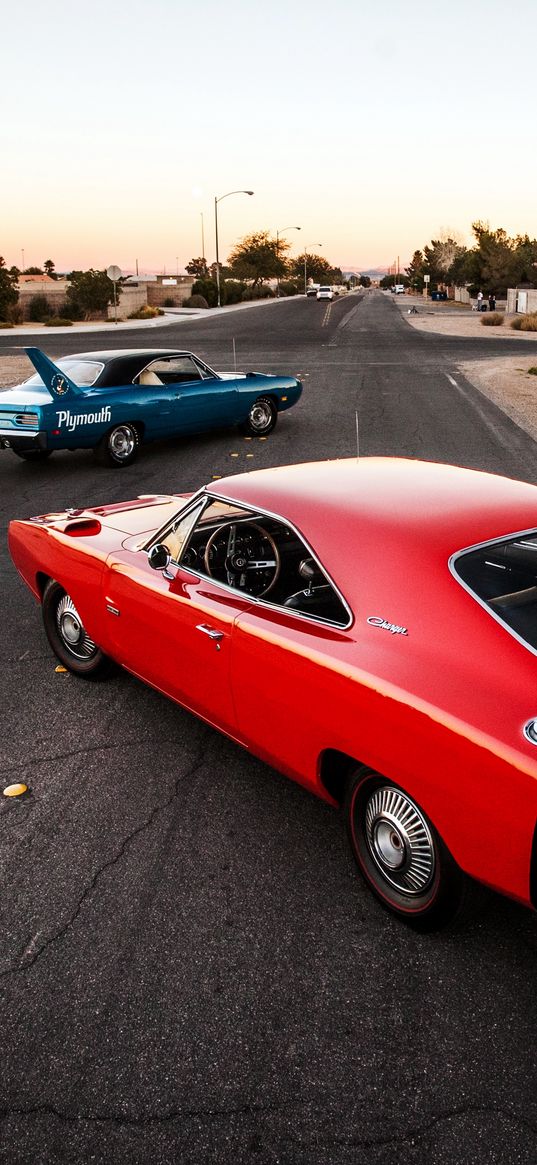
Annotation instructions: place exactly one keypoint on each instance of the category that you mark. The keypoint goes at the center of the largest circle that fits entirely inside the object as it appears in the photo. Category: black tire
(68, 638)
(119, 446)
(33, 454)
(400, 855)
(261, 418)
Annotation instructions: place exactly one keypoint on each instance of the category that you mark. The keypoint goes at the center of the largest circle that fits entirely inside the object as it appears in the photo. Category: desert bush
(14, 314)
(532, 371)
(288, 288)
(529, 322)
(195, 301)
(493, 320)
(262, 292)
(58, 322)
(516, 324)
(39, 309)
(208, 289)
(6, 324)
(145, 313)
(234, 290)
(169, 301)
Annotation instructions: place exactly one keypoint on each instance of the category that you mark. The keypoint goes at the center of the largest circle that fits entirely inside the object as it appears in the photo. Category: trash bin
(434, 296)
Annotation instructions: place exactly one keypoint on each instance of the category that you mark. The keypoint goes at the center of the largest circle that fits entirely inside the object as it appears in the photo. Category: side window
(170, 370)
(262, 557)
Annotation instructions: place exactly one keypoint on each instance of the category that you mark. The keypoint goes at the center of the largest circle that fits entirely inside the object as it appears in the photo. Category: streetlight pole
(278, 233)
(216, 201)
(305, 263)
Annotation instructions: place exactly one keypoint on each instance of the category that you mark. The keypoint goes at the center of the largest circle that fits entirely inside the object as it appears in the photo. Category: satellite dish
(114, 273)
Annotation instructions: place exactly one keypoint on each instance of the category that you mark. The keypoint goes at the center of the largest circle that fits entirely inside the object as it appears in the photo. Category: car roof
(118, 353)
(388, 503)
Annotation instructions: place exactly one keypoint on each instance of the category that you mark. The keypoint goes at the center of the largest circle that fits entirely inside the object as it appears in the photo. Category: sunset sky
(373, 127)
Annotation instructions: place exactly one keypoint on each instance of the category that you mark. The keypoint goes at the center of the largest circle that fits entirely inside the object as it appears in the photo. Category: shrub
(493, 320)
(39, 309)
(532, 371)
(146, 313)
(6, 324)
(516, 324)
(261, 292)
(195, 301)
(234, 290)
(288, 288)
(529, 322)
(58, 322)
(208, 289)
(14, 314)
(169, 301)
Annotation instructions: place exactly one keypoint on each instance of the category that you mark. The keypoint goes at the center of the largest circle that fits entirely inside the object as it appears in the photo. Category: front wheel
(119, 446)
(261, 418)
(68, 637)
(400, 855)
(33, 454)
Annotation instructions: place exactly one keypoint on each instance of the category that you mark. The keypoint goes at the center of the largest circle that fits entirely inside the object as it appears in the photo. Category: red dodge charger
(368, 627)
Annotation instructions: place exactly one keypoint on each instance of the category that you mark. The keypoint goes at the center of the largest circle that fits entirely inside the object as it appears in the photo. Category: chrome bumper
(11, 439)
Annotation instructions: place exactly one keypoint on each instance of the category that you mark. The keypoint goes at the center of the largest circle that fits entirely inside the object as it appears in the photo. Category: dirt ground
(505, 380)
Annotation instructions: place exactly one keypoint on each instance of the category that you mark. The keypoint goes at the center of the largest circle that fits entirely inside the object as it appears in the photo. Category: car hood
(142, 515)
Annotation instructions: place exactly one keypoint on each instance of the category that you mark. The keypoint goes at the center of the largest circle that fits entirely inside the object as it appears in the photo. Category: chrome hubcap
(122, 442)
(260, 415)
(72, 631)
(399, 841)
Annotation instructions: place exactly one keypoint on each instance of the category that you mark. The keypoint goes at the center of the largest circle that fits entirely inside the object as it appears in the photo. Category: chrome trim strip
(20, 432)
(482, 602)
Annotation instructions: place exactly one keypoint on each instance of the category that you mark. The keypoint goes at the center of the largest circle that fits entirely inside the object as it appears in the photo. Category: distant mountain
(374, 273)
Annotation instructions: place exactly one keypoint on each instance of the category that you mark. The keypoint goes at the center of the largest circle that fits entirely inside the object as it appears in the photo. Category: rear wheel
(119, 446)
(68, 637)
(33, 454)
(400, 855)
(261, 418)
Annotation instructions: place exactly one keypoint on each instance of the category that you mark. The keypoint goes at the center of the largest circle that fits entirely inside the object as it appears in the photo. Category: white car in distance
(325, 293)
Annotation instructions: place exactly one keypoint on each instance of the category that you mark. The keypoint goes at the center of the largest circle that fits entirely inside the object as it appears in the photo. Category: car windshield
(81, 372)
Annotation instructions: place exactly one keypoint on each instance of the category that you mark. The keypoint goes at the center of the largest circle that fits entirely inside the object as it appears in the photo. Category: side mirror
(158, 557)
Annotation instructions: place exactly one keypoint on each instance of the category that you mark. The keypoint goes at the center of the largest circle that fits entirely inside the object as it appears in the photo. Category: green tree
(365, 281)
(48, 268)
(90, 291)
(415, 271)
(318, 269)
(258, 257)
(8, 293)
(197, 267)
(33, 271)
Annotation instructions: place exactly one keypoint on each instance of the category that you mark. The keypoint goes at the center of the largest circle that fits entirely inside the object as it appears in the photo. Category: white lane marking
(451, 380)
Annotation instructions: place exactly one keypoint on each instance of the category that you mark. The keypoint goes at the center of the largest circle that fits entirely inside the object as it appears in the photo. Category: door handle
(210, 631)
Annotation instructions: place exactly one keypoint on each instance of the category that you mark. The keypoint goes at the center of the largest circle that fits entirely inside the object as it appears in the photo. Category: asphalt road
(190, 969)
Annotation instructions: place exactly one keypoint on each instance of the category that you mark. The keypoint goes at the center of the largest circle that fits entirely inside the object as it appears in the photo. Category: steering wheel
(243, 555)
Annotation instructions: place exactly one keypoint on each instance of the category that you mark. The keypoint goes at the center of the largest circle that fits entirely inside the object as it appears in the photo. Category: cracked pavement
(190, 969)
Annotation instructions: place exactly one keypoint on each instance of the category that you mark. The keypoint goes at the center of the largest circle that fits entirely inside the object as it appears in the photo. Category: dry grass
(493, 320)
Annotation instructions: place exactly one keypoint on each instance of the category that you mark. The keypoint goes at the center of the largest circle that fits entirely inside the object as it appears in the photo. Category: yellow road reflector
(15, 790)
(216, 476)
(262, 438)
(249, 454)
(60, 669)
(234, 455)
(247, 438)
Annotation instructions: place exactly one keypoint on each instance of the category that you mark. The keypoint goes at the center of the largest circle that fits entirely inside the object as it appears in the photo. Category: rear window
(503, 577)
(81, 372)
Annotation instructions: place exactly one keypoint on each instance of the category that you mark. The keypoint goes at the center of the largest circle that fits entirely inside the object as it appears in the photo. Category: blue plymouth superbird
(111, 402)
